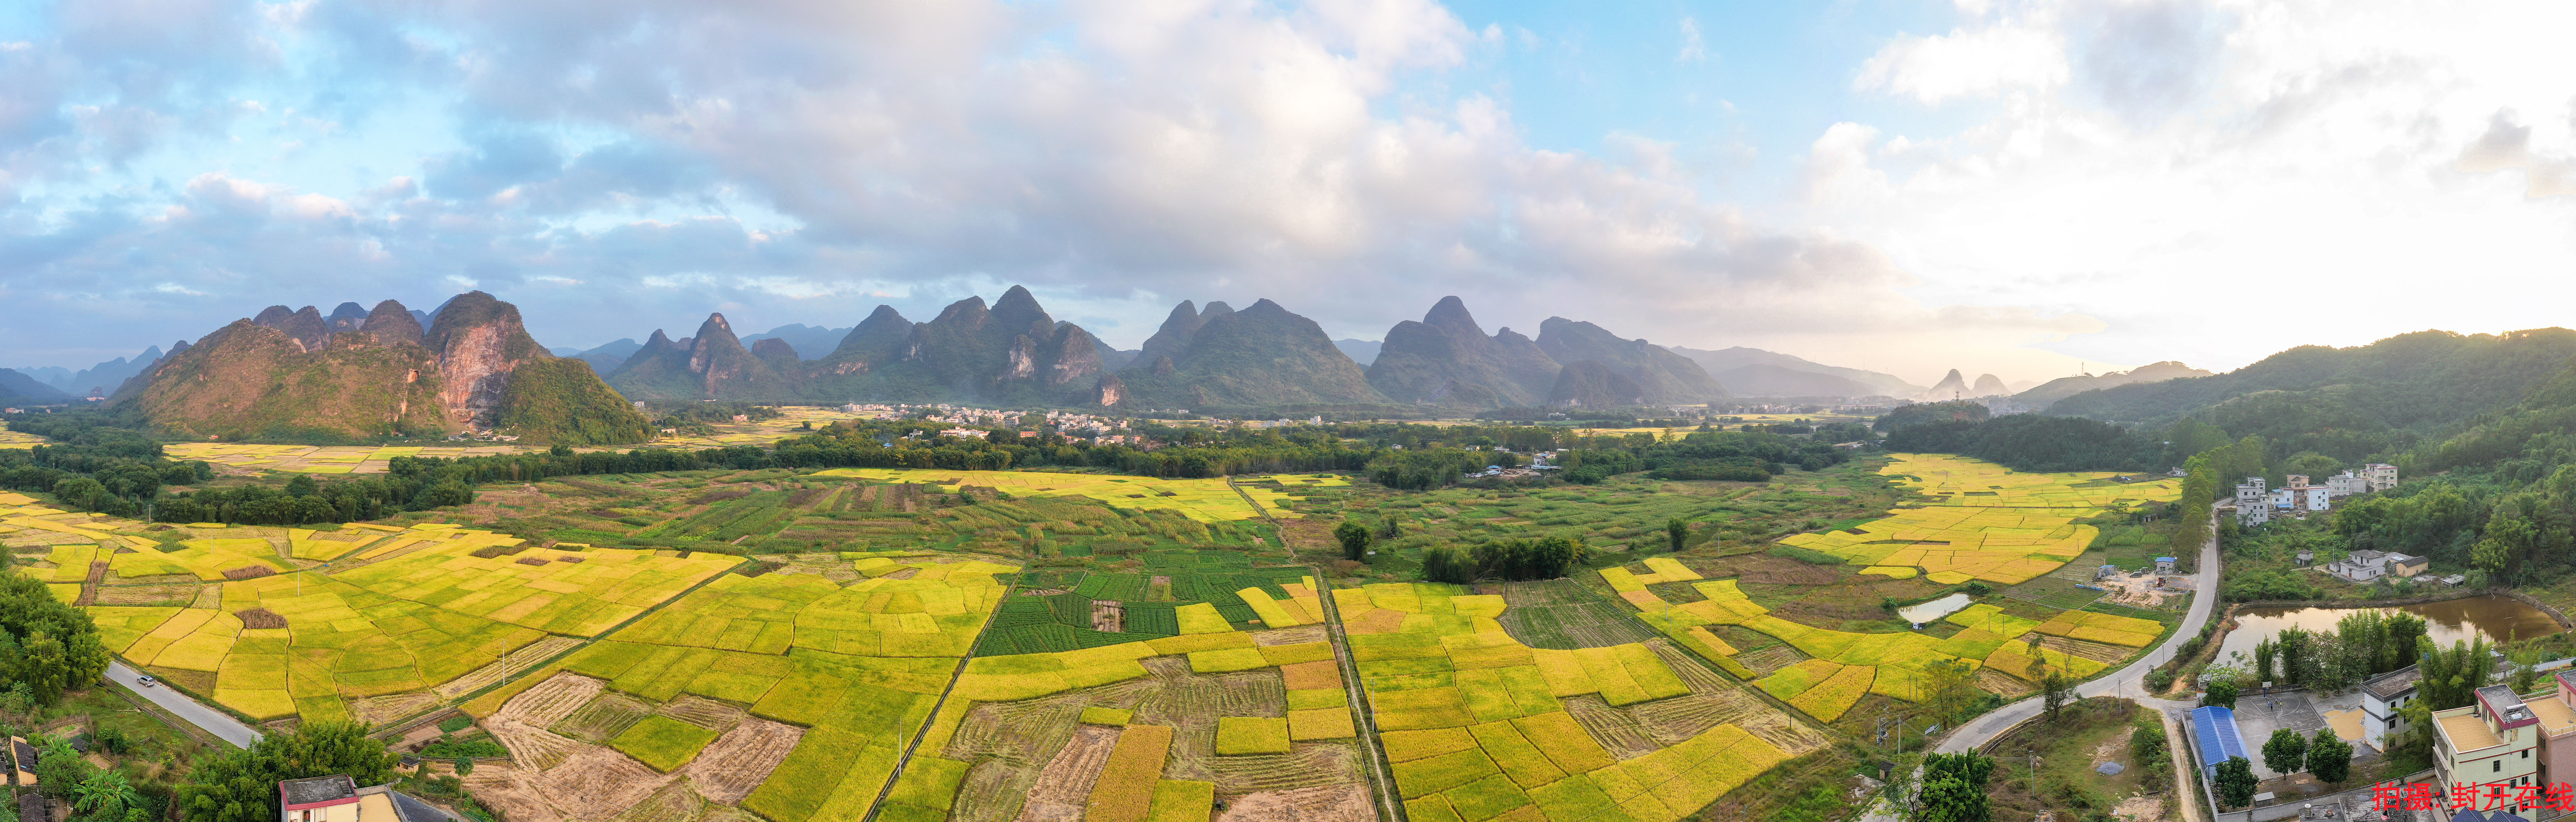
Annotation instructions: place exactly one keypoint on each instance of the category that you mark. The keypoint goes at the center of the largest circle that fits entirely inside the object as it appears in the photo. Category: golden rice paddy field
(1206, 500)
(1141, 649)
(326, 459)
(17, 439)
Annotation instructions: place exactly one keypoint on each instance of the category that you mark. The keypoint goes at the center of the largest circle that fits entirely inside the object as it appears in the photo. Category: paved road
(222, 725)
(2129, 682)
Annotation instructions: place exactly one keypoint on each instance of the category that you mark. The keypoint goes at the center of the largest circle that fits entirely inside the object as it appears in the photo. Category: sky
(2021, 188)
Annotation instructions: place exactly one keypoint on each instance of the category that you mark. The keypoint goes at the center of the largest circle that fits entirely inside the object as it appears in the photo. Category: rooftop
(2508, 705)
(2393, 684)
(2555, 717)
(333, 788)
(2467, 733)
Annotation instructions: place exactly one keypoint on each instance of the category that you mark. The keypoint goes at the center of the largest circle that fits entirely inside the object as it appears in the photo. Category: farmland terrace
(930, 644)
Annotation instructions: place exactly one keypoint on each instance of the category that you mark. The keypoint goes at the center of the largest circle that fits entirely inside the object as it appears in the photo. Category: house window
(2494, 766)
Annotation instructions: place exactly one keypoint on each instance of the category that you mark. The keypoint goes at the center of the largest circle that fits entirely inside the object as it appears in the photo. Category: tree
(2263, 653)
(1354, 538)
(2523, 675)
(2285, 752)
(2147, 749)
(1954, 787)
(106, 795)
(1388, 527)
(1949, 686)
(2329, 757)
(2236, 782)
(60, 770)
(242, 786)
(1676, 532)
(1445, 563)
(2220, 691)
(464, 765)
(2056, 690)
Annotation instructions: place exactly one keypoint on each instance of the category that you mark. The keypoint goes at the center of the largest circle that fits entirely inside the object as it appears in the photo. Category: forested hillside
(2349, 403)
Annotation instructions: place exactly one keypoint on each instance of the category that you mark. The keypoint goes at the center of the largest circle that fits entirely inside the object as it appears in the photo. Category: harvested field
(257, 618)
(2096, 651)
(606, 716)
(1327, 803)
(532, 561)
(675, 802)
(1618, 732)
(249, 572)
(383, 709)
(552, 700)
(741, 759)
(1289, 636)
(1060, 791)
(520, 661)
(179, 595)
(1108, 616)
(1770, 660)
(594, 782)
(2003, 685)
(705, 713)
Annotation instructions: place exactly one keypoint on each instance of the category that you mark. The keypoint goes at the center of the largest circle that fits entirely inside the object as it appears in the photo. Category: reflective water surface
(2500, 618)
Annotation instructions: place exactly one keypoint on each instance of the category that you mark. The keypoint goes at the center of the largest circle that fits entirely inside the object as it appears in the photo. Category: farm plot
(1561, 614)
(1191, 602)
(310, 644)
(1479, 725)
(557, 591)
(1206, 500)
(1222, 716)
(669, 755)
(1966, 481)
(855, 670)
(1891, 664)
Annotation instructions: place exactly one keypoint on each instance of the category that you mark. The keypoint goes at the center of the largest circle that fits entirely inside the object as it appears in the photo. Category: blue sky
(2008, 187)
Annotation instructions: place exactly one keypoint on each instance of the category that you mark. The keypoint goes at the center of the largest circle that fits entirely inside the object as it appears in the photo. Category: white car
(144, 681)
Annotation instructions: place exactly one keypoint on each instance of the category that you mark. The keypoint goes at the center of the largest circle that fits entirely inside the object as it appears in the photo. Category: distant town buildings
(2381, 476)
(2365, 566)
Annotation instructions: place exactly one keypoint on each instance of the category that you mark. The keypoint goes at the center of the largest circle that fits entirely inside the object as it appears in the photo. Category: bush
(455, 723)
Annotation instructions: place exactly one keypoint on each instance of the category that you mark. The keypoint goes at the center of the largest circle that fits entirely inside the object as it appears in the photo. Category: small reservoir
(1923, 612)
(2499, 618)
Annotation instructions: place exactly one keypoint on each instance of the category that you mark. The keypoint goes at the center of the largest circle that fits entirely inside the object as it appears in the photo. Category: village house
(2383, 697)
(337, 798)
(2490, 741)
(2347, 484)
(2364, 566)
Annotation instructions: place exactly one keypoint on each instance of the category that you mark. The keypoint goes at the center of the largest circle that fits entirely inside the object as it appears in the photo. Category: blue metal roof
(2214, 736)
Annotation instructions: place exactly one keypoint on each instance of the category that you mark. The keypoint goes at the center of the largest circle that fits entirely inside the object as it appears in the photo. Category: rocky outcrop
(1262, 355)
(1592, 384)
(304, 326)
(478, 340)
(347, 317)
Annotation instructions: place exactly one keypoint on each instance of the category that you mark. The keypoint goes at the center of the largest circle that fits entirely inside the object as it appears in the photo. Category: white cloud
(1694, 50)
(1984, 61)
(2228, 179)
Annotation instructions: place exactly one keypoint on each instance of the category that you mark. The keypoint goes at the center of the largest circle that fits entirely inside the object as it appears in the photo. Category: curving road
(222, 725)
(2129, 682)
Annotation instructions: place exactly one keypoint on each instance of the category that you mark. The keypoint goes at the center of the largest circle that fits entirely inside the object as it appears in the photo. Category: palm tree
(105, 795)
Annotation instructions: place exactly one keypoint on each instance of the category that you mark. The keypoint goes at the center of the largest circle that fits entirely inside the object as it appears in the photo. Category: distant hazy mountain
(476, 368)
(1767, 380)
(1951, 387)
(17, 387)
(1661, 375)
(605, 358)
(1010, 352)
(2063, 387)
(1363, 352)
(1729, 359)
(1989, 385)
(810, 341)
(104, 377)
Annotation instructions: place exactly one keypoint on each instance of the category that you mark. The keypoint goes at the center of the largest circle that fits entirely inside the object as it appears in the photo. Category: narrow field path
(1372, 752)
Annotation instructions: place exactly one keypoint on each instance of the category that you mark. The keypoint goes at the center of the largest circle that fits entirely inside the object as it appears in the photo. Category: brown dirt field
(2003, 684)
(1308, 676)
(592, 783)
(2096, 651)
(179, 594)
(1769, 660)
(552, 700)
(1771, 570)
(1108, 616)
(519, 661)
(1376, 621)
(741, 759)
(390, 707)
(1289, 636)
(1062, 789)
(675, 802)
(1328, 803)
(1618, 732)
(705, 713)
(257, 618)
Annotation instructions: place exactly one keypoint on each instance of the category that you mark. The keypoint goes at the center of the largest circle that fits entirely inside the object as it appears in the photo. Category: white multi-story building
(2316, 497)
(2282, 499)
(2346, 484)
(2382, 698)
(2381, 476)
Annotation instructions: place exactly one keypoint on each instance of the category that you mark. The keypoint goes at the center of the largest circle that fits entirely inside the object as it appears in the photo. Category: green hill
(1259, 356)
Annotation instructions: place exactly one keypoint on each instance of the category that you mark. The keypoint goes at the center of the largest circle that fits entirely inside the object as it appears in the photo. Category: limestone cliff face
(479, 341)
(476, 369)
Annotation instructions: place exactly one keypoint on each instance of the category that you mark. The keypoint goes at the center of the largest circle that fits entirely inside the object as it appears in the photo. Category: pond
(1922, 612)
(2499, 618)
